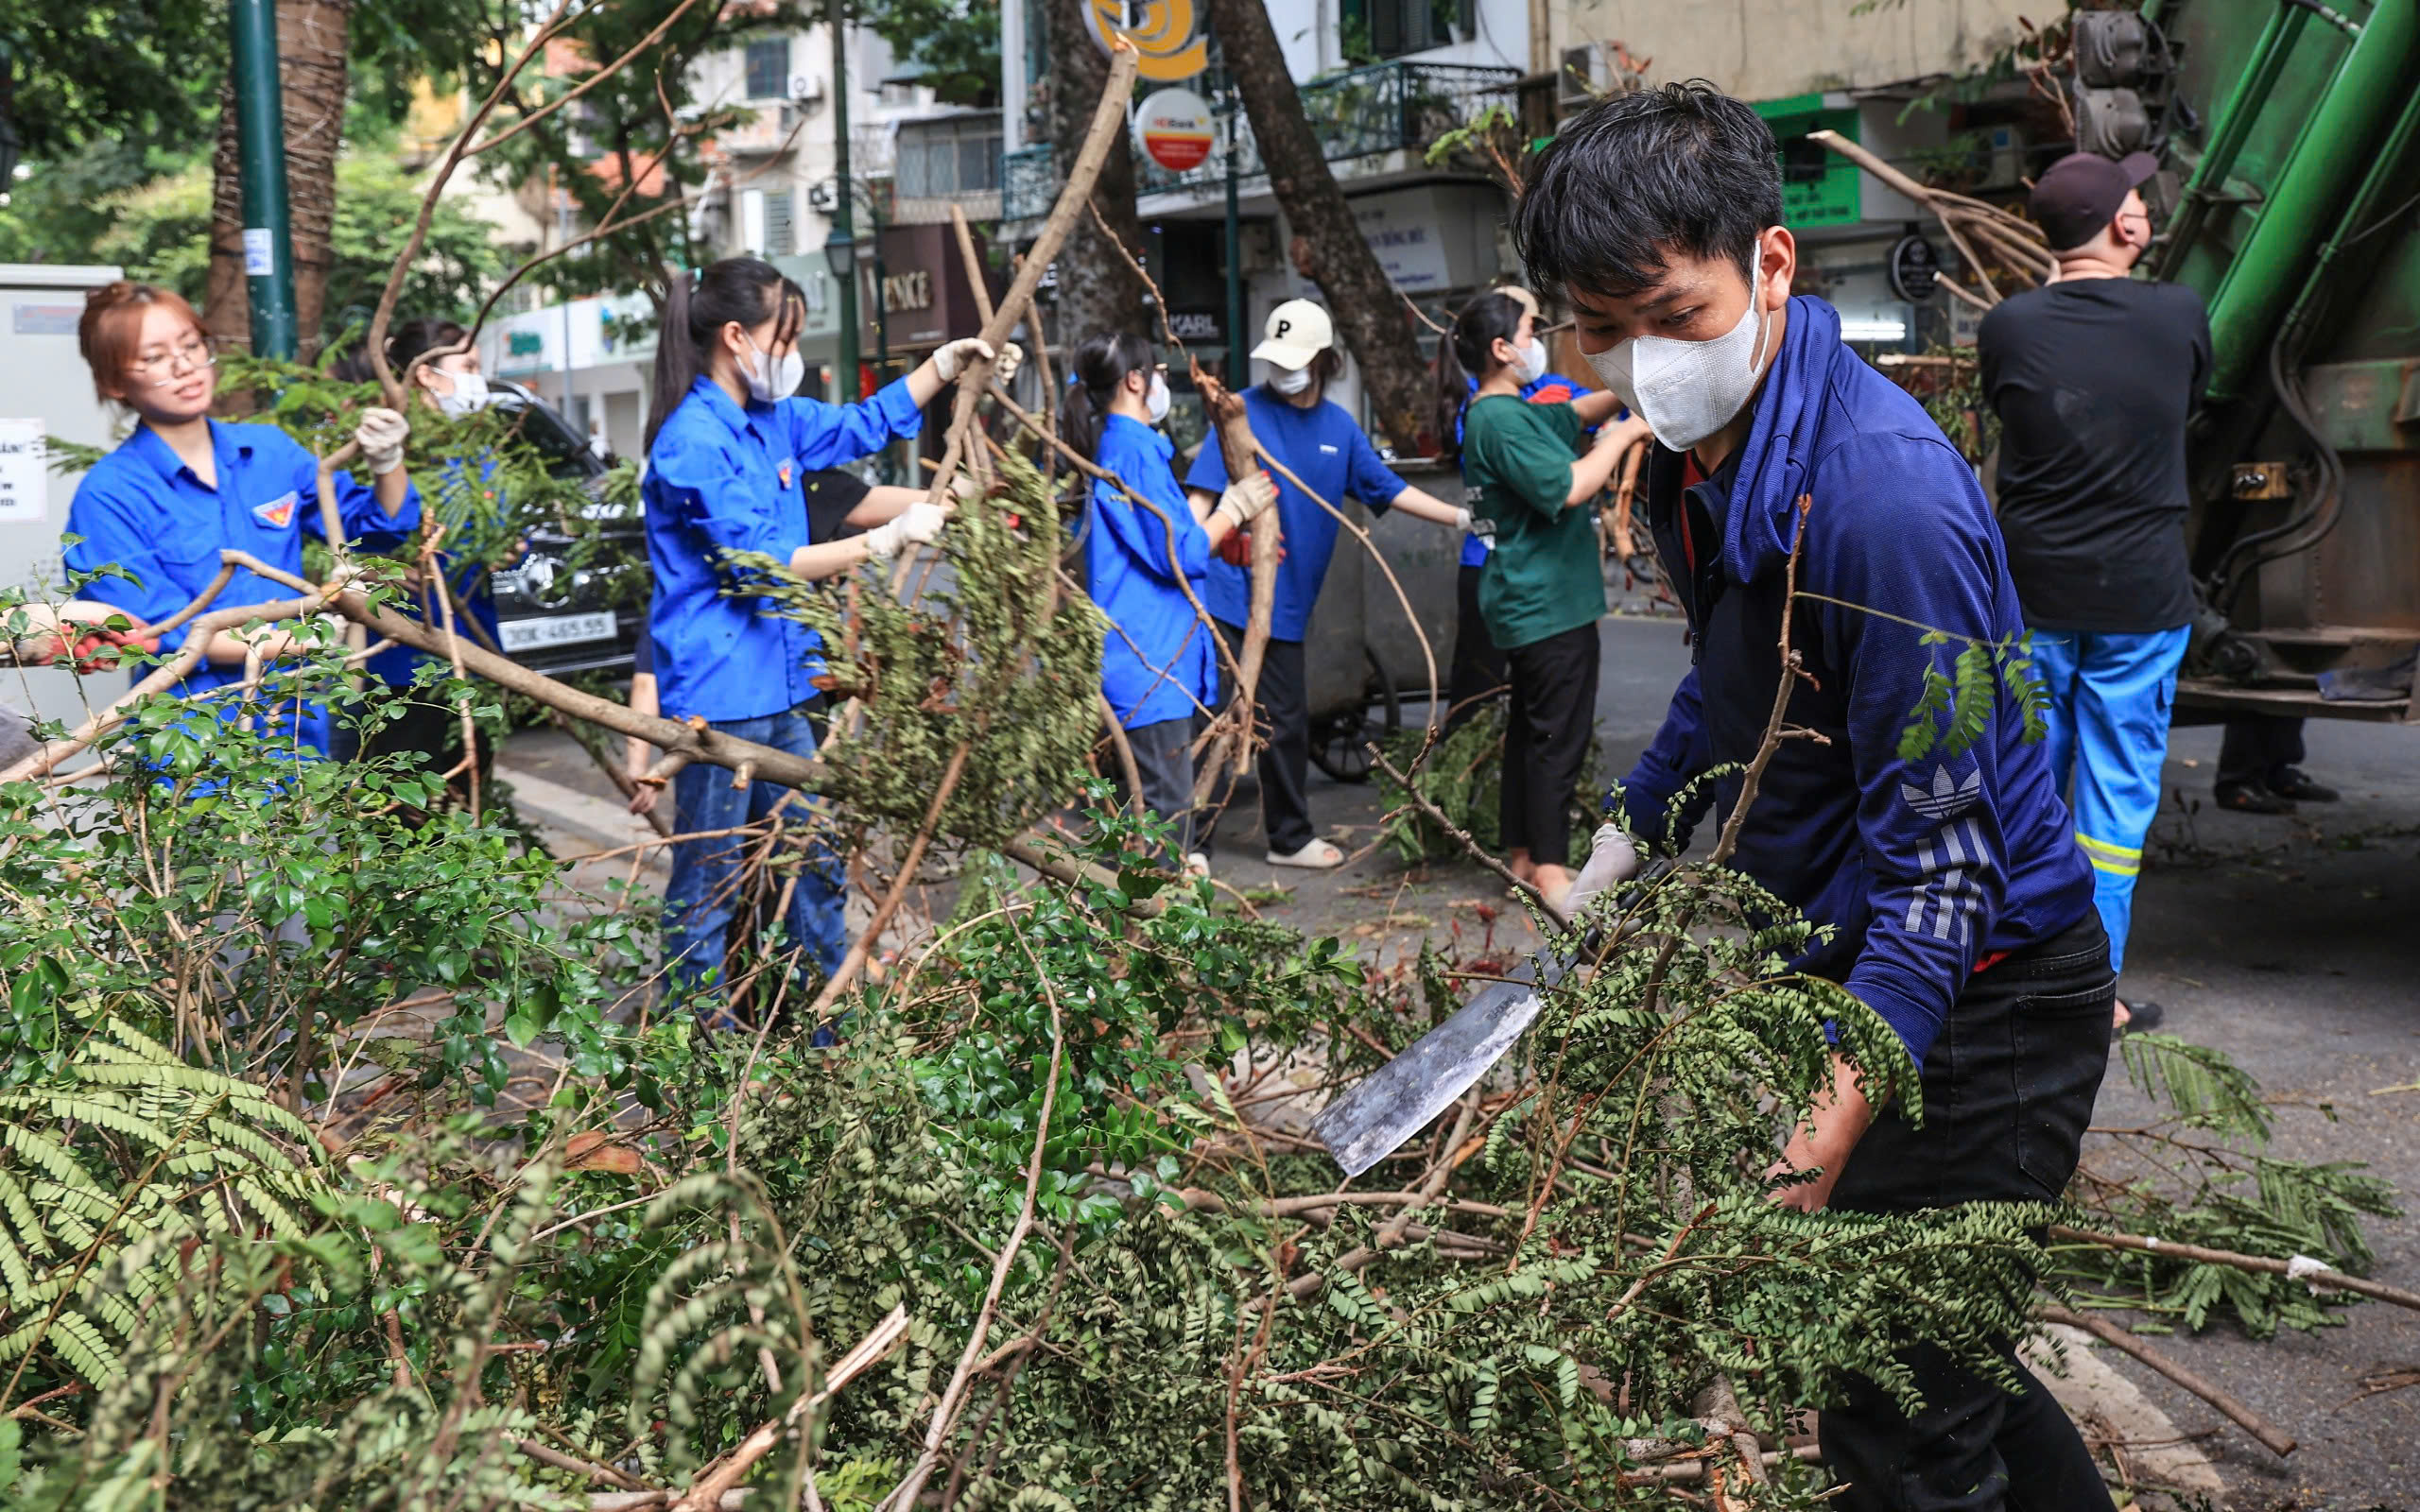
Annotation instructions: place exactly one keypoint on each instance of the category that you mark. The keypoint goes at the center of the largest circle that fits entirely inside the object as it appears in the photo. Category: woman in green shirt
(1542, 588)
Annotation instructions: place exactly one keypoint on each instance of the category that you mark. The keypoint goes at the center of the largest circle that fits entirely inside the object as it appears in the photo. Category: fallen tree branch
(903, 1496)
(714, 1488)
(1109, 119)
(2276, 1440)
(2321, 1276)
(1471, 847)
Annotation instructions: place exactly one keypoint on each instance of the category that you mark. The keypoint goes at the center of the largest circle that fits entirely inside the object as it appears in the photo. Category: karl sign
(1166, 32)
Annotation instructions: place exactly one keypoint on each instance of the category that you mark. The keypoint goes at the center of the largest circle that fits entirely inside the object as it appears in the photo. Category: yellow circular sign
(1165, 32)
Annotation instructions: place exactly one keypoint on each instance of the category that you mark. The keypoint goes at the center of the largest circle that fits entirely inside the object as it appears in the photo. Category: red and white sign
(1173, 127)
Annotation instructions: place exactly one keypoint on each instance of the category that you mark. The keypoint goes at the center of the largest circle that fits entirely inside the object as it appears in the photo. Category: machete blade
(1396, 1100)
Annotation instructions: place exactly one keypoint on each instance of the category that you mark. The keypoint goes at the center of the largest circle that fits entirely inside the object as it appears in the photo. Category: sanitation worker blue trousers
(2110, 697)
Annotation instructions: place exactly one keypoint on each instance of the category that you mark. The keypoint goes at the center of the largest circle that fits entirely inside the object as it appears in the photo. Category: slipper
(1317, 856)
(2142, 1018)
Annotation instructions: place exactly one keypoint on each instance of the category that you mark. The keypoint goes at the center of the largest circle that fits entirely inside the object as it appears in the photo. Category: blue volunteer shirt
(1327, 451)
(726, 478)
(1157, 663)
(475, 618)
(143, 509)
(1923, 868)
(1550, 388)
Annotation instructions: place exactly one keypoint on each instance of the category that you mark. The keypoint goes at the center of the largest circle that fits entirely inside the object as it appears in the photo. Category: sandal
(1319, 855)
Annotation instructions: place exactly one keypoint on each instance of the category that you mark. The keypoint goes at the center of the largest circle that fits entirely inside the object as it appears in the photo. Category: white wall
(1771, 49)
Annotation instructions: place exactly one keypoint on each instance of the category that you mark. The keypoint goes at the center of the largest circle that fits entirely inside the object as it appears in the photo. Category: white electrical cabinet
(44, 392)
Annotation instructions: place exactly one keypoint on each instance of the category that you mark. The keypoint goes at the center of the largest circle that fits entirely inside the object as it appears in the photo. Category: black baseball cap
(2080, 193)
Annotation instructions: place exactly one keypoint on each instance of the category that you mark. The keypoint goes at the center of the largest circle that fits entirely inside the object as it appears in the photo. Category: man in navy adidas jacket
(1959, 906)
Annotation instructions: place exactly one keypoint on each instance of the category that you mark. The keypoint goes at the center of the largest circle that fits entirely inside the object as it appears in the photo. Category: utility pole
(260, 129)
(840, 247)
(1237, 369)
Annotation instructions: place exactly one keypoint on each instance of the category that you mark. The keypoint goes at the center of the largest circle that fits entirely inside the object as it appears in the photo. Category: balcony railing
(1384, 108)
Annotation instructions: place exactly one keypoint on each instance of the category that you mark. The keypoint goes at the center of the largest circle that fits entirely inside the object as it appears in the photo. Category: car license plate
(557, 629)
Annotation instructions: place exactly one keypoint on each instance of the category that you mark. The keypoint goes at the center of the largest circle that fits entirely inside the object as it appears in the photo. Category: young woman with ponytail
(184, 486)
(1158, 666)
(1478, 676)
(1542, 588)
(727, 454)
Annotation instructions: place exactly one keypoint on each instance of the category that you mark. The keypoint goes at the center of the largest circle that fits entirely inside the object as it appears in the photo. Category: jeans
(706, 894)
(1164, 760)
(2008, 1089)
(2108, 701)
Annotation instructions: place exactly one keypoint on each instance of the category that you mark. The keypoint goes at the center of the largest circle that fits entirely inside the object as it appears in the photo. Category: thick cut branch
(2278, 1443)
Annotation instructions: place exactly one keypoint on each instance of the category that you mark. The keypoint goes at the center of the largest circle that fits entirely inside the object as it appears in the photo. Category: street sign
(1172, 129)
(1915, 267)
(1166, 32)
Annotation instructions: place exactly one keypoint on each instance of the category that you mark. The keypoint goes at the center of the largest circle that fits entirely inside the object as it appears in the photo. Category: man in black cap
(2093, 376)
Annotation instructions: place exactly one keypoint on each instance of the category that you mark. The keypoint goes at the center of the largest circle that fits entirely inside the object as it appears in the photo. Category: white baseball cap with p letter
(1298, 331)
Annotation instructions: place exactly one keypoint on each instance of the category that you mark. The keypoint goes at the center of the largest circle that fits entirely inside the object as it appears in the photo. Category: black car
(572, 605)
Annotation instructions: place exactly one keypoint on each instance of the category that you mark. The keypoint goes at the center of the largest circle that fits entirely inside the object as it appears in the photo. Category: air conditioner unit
(807, 89)
(1580, 75)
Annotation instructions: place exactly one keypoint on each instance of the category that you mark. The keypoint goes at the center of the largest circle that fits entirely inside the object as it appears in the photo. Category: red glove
(1235, 551)
(91, 650)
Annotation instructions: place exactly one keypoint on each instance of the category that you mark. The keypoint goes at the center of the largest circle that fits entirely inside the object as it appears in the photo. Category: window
(1388, 29)
(781, 231)
(940, 160)
(769, 68)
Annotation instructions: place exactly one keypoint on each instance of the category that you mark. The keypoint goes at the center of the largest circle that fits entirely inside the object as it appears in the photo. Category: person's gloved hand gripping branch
(1960, 909)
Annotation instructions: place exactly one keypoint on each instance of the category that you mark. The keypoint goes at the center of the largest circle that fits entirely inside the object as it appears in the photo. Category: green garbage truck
(2288, 131)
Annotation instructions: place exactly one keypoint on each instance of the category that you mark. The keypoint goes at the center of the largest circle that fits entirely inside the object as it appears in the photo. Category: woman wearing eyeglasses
(184, 486)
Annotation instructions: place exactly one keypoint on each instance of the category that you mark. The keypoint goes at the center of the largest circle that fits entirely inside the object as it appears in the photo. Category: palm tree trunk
(1327, 245)
(311, 42)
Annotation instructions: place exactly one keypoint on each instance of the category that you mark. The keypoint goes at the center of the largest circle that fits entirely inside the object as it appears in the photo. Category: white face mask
(1156, 399)
(1687, 390)
(1529, 362)
(469, 396)
(770, 378)
(1290, 381)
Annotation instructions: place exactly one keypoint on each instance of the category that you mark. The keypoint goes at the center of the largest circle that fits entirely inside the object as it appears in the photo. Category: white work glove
(381, 433)
(1005, 367)
(920, 522)
(1247, 499)
(1462, 521)
(1613, 859)
(951, 359)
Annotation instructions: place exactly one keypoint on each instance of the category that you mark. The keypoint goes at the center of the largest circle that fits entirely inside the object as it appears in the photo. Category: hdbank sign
(1165, 32)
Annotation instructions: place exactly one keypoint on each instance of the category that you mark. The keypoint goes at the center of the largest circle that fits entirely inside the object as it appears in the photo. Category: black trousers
(1480, 671)
(2257, 747)
(2008, 1089)
(428, 735)
(1164, 760)
(1546, 740)
(1283, 715)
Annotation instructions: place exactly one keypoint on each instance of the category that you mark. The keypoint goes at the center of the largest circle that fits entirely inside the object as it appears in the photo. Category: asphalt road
(2291, 943)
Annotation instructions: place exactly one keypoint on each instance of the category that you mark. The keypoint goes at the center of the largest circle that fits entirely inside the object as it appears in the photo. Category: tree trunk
(311, 41)
(1096, 291)
(1328, 245)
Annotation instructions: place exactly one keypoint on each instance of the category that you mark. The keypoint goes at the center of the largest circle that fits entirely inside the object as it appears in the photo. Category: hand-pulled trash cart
(1362, 658)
